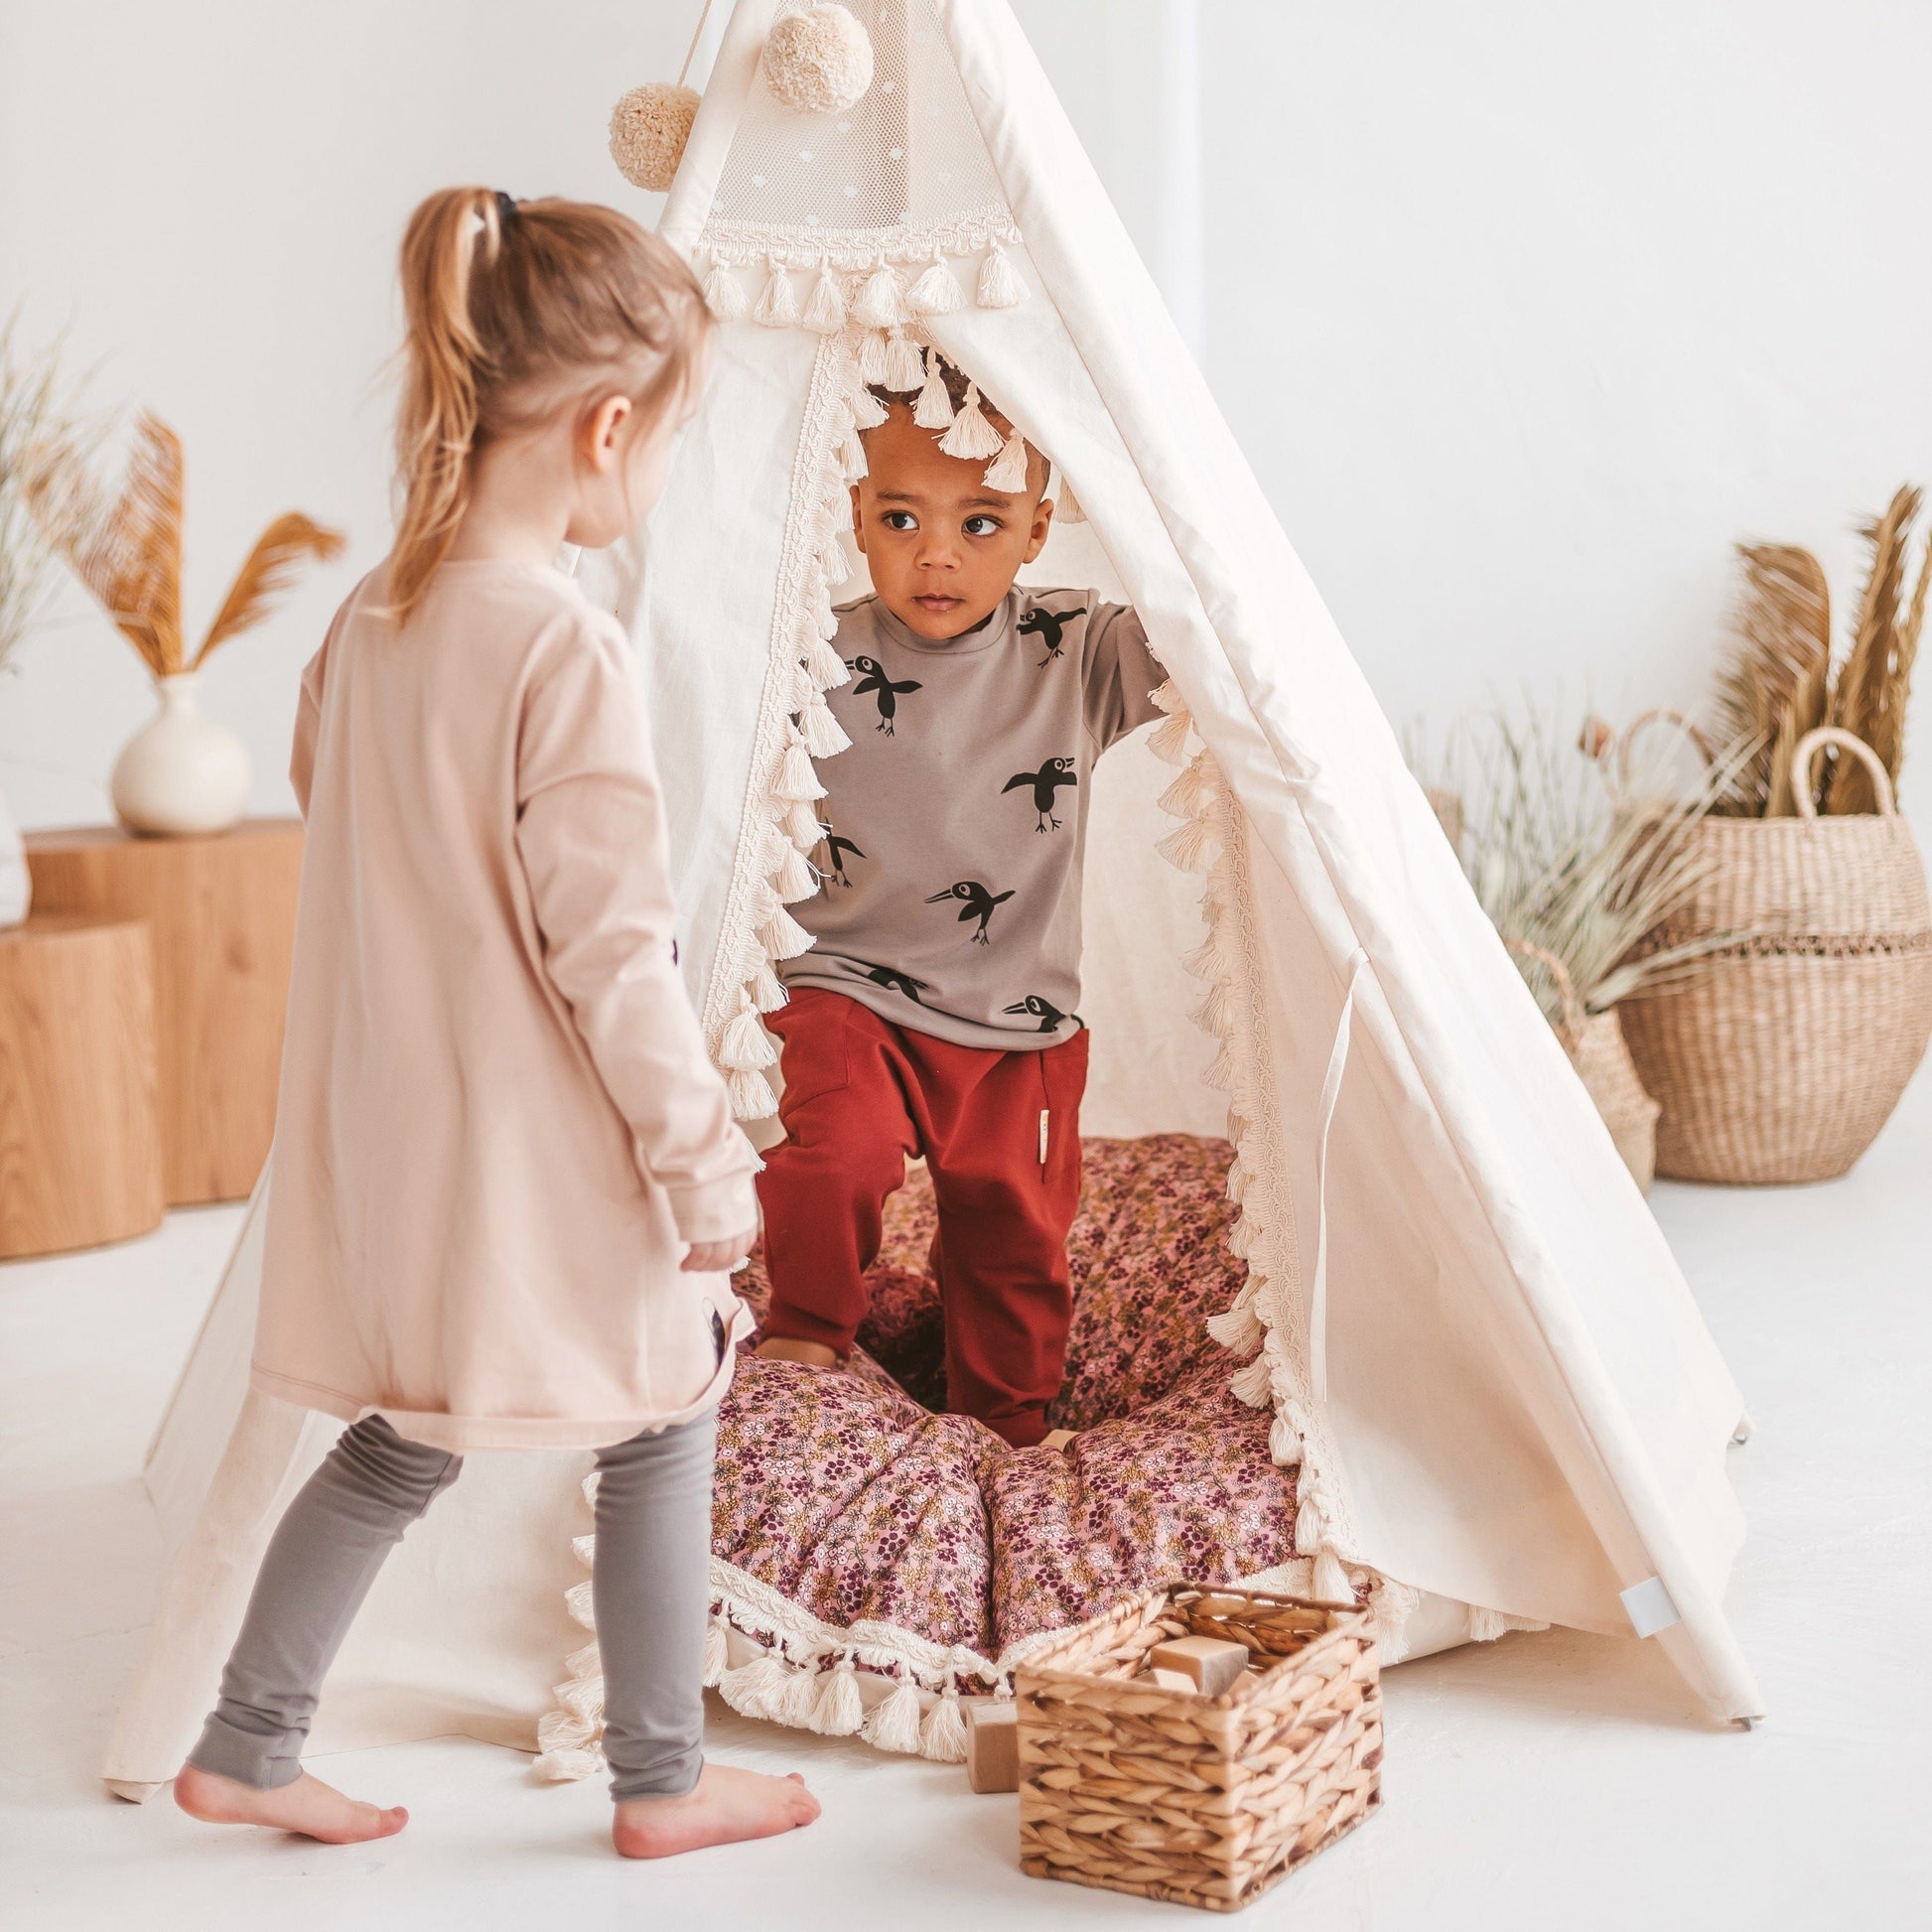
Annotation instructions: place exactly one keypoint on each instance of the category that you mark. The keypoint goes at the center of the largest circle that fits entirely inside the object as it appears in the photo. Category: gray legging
(653, 1544)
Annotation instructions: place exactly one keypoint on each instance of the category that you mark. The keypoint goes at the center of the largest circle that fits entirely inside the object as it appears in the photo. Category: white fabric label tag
(1649, 1606)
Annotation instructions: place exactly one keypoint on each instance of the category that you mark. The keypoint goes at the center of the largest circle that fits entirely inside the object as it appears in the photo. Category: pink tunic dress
(498, 1126)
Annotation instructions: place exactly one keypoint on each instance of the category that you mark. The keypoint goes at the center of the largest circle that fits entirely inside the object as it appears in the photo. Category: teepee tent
(1482, 1361)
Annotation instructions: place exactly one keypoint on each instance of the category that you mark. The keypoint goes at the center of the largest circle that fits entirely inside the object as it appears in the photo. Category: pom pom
(934, 410)
(971, 436)
(903, 367)
(825, 312)
(1008, 471)
(942, 1736)
(819, 59)
(722, 294)
(880, 303)
(648, 129)
(777, 307)
(1000, 286)
(892, 1725)
(937, 291)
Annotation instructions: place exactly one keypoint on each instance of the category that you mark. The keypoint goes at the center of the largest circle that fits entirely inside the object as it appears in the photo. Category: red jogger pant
(1001, 1135)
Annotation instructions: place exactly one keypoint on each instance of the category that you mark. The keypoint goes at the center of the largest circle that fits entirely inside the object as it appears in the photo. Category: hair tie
(505, 209)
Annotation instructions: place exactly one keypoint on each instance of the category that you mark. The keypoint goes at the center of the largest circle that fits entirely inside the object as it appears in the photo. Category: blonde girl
(506, 1185)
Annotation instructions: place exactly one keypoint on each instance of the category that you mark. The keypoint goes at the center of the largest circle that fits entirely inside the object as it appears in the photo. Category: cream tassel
(934, 410)
(827, 668)
(1237, 1329)
(1252, 1383)
(824, 735)
(825, 312)
(868, 412)
(801, 824)
(851, 458)
(793, 878)
(1006, 471)
(1186, 846)
(724, 294)
(783, 936)
(777, 307)
(766, 990)
(942, 1736)
(1331, 1582)
(756, 1687)
(796, 779)
(751, 1096)
(903, 367)
(1000, 286)
(794, 1704)
(937, 291)
(717, 1651)
(882, 301)
(871, 357)
(971, 437)
(833, 562)
(745, 1046)
(1167, 741)
(839, 1710)
(892, 1725)
(1285, 1447)
(1486, 1626)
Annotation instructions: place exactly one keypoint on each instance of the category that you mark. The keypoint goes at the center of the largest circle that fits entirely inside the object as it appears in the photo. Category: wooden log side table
(223, 914)
(79, 1112)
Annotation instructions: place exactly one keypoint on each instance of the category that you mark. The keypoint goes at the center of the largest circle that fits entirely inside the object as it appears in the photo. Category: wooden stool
(223, 914)
(80, 1120)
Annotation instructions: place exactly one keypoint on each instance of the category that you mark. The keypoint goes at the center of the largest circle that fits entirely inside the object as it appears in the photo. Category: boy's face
(944, 549)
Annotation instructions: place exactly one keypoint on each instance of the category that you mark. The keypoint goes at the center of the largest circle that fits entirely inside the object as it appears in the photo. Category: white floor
(1549, 1780)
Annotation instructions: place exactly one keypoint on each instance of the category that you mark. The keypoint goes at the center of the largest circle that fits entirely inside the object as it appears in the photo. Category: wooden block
(1210, 1663)
(1057, 1438)
(80, 1125)
(992, 1744)
(223, 914)
(1170, 1680)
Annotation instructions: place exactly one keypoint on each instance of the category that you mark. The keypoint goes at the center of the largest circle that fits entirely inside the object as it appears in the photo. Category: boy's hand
(715, 1257)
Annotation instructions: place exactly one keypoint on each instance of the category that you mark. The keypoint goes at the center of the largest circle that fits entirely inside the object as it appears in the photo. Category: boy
(935, 1014)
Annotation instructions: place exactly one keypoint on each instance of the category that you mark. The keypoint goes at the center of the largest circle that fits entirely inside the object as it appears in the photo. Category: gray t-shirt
(956, 822)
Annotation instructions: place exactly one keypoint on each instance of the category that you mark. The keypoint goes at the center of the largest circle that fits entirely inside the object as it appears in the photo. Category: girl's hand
(715, 1257)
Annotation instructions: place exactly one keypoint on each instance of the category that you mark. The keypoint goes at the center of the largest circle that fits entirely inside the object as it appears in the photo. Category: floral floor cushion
(874, 1558)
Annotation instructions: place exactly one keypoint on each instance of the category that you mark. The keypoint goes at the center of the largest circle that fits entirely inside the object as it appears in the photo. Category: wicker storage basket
(1782, 1058)
(1596, 1044)
(1171, 1794)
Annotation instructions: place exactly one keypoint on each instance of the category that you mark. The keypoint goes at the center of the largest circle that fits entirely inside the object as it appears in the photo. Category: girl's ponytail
(443, 358)
(508, 307)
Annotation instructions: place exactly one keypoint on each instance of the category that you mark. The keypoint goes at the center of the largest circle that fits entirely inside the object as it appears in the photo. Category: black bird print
(1048, 625)
(1044, 782)
(1045, 1010)
(835, 850)
(978, 904)
(890, 975)
(872, 677)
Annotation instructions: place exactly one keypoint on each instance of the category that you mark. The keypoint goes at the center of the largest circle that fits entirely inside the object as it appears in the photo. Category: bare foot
(782, 1349)
(308, 1806)
(727, 1805)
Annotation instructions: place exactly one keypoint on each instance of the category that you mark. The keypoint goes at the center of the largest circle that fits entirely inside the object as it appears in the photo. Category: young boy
(935, 1014)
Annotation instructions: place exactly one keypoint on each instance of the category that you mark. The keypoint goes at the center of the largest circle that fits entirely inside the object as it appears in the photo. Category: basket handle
(1573, 1011)
(1808, 747)
(1641, 723)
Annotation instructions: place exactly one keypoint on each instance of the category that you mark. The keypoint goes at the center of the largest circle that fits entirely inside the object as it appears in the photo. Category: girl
(506, 1181)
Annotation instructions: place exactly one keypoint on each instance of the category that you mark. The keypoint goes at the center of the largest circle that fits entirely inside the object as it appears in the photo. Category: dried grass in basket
(1598, 1050)
(1204, 1801)
(1782, 1060)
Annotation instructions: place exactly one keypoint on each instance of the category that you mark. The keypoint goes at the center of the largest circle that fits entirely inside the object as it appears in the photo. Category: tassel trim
(971, 435)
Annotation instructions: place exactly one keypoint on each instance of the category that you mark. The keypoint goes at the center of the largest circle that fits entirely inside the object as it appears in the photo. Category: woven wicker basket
(1598, 1050)
(1785, 1054)
(1171, 1794)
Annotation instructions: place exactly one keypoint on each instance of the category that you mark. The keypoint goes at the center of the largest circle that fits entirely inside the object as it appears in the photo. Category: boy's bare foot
(308, 1806)
(782, 1349)
(727, 1805)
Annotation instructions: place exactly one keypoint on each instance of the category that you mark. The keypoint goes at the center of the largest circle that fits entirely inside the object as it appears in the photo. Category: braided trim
(740, 244)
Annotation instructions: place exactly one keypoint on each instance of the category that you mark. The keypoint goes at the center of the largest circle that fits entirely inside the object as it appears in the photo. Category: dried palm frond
(1775, 684)
(128, 550)
(1556, 867)
(265, 577)
(1869, 699)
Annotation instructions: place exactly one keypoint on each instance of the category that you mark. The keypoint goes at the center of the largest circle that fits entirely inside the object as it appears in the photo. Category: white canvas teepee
(1498, 1389)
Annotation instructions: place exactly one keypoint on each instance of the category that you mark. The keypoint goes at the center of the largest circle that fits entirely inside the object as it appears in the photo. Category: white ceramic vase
(15, 888)
(181, 773)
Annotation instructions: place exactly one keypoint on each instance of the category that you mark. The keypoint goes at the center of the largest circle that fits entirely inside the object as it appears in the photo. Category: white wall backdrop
(1523, 313)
